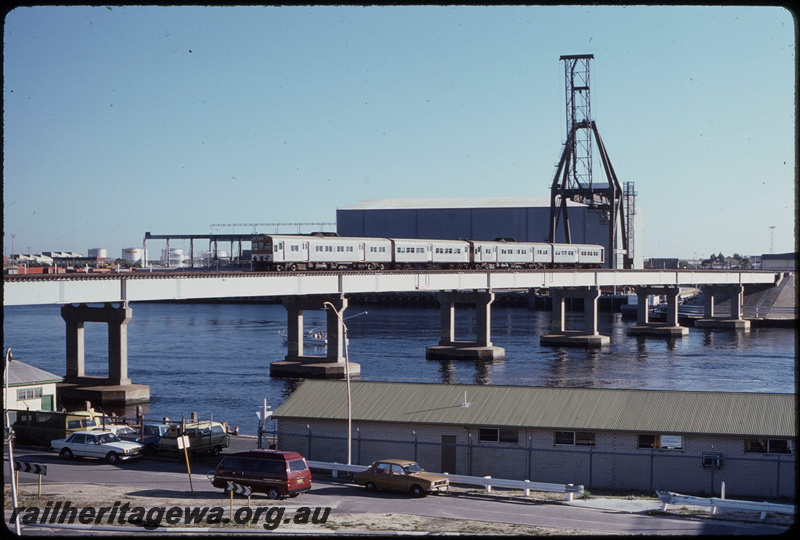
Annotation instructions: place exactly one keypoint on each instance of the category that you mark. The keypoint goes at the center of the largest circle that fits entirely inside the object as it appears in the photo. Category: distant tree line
(721, 261)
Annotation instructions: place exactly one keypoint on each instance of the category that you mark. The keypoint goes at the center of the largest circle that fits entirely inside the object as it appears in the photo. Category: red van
(277, 473)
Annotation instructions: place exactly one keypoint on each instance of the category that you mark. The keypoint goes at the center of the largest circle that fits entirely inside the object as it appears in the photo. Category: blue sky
(124, 120)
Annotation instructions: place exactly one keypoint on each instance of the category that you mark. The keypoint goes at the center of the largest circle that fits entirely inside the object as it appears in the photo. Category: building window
(664, 442)
(29, 393)
(573, 438)
(498, 435)
(768, 446)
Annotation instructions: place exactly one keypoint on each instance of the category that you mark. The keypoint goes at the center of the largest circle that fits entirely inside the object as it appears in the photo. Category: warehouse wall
(521, 224)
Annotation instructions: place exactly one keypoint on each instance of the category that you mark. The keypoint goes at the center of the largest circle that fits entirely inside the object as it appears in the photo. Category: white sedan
(99, 444)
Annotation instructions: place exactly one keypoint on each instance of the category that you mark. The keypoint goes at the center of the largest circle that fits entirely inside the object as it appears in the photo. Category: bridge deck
(146, 286)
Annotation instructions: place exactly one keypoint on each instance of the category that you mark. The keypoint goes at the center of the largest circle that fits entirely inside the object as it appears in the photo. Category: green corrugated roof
(661, 411)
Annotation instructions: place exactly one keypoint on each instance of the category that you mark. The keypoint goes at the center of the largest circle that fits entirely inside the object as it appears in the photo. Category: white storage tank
(98, 253)
(174, 258)
(133, 255)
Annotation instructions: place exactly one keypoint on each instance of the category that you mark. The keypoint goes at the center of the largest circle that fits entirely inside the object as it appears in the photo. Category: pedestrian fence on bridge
(486, 482)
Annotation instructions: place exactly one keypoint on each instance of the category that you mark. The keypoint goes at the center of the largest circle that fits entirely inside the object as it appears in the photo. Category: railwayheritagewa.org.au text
(151, 518)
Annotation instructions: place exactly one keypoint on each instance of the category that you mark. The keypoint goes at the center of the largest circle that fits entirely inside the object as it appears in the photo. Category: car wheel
(370, 486)
(417, 491)
(217, 451)
(273, 494)
(67, 454)
(113, 458)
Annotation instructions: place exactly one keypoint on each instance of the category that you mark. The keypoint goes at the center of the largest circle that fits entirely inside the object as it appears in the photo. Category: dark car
(277, 473)
(152, 434)
(401, 475)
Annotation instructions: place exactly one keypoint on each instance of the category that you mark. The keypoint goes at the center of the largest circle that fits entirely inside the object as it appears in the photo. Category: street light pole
(9, 435)
(347, 378)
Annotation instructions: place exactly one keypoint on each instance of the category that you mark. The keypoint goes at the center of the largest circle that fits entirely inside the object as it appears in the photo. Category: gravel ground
(97, 496)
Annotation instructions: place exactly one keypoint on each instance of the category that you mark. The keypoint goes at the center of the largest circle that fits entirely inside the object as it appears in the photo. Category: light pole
(347, 378)
(9, 435)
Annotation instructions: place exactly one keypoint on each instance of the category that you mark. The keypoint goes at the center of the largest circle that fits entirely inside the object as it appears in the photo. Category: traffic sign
(33, 468)
(236, 488)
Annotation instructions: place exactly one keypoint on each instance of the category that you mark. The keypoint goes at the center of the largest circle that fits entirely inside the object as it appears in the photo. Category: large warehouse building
(525, 219)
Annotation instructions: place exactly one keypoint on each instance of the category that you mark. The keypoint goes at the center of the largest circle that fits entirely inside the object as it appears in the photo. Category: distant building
(600, 438)
(525, 219)
(780, 261)
(671, 264)
(31, 388)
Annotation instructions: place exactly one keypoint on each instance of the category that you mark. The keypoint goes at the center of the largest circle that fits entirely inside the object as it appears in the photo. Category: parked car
(152, 434)
(41, 427)
(401, 475)
(99, 444)
(204, 437)
(123, 431)
(274, 472)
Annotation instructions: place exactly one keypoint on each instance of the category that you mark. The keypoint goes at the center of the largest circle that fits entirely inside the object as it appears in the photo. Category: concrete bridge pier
(561, 336)
(644, 327)
(116, 389)
(735, 320)
(299, 364)
(480, 349)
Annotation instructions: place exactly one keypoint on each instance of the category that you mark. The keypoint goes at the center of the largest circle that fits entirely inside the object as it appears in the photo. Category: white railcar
(317, 251)
(565, 255)
(483, 254)
(449, 253)
(515, 254)
(411, 252)
(590, 256)
(542, 255)
(298, 252)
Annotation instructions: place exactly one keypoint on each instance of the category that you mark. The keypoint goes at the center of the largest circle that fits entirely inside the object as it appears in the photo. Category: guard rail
(487, 482)
(668, 497)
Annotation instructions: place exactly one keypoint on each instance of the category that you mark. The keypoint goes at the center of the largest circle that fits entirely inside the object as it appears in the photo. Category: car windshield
(125, 431)
(413, 468)
(107, 438)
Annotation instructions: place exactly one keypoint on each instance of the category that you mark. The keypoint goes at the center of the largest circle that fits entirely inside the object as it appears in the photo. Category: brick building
(638, 440)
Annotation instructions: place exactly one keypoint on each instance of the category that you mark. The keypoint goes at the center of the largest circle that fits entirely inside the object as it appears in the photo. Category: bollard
(486, 486)
(527, 489)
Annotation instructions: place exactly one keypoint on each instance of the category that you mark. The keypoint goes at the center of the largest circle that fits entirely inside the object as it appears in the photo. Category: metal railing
(486, 482)
(668, 497)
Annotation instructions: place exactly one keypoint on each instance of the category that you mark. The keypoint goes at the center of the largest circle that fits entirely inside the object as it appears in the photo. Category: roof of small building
(20, 374)
(452, 202)
(600, 409)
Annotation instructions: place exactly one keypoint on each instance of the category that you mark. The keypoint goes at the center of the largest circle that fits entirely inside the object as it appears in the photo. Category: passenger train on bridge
(328, 252)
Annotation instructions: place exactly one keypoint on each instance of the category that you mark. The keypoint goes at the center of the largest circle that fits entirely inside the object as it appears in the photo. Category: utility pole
(772, 239)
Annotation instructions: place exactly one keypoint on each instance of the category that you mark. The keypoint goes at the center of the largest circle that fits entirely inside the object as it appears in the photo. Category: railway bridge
(106, 298)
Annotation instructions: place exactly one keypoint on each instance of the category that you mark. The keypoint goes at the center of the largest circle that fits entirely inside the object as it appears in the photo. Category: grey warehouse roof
(453, 202)
(20, 373)
(649, 411)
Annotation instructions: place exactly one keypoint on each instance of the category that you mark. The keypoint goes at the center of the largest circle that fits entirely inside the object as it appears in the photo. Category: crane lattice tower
(573, 178)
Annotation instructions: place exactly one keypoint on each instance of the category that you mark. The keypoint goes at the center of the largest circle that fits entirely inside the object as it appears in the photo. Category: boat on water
(314, 336)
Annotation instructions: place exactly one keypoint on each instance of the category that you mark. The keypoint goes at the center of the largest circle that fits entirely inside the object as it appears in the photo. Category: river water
(214, 359)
